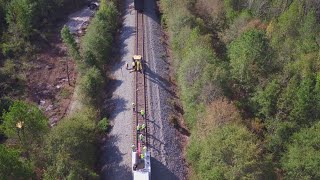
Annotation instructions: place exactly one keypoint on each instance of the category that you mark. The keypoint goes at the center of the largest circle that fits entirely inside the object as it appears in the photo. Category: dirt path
(79, 20)
(116, 151)
(77, 23)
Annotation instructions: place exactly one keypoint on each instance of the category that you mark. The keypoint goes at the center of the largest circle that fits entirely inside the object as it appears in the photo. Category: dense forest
(249, 80)
(29, 148)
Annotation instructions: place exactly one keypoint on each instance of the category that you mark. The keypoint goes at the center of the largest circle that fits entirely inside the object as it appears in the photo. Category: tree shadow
(112, 106)
(121, 48)
(151, 10)
(111, 168)
(160, 81)
(182, 130)
(162, 172)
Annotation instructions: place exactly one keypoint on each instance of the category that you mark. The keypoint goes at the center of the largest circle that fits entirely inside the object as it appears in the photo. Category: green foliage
(5, 104)
(229, 152)
(289, 20)
(96, 44)
(294, 33)
(91, 84)
(35, 124)
(265, 100)
(2, 18)
(302, 159)
(249, 58)
(70, 147)
(285, 102)
(232, 8)
(12, 82)
(68, 39)
(19, 18)
(236, 28)
(103, 125)
(308, 31)
(48, 12)
(272, 73)
(12, 166)
(19, 15)
(302, 105)
(199, 71)
(278, 135)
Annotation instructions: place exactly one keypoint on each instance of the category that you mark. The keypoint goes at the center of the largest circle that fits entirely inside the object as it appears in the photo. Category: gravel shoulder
(116, 149)
(167, 160)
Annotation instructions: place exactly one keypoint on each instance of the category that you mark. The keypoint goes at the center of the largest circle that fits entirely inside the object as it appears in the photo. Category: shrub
(103, 125)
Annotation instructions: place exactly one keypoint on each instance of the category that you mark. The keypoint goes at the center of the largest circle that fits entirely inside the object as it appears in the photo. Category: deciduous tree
(302, 159)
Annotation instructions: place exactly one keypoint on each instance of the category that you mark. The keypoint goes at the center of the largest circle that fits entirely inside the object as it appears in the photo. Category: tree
(25, 121)
(249, 58)
(70, 147)
(229, 152)
(97, 43)
(277, 135)
(316, 99)
(266, 99)
(12, 166)
(233, 7)
(287, 97)
(284, 34)
(19, 14)
(91, 84)
(19, 17)
(2, 17)
(303, 103)
(302, 158)
(309, 30)
(73, 49)
(71, 43)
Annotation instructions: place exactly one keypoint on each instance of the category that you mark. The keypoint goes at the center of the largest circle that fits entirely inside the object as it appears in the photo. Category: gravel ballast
(116, 151)
(167, 161)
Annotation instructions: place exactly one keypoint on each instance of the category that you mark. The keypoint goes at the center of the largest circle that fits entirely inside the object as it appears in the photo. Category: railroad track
(140, 93)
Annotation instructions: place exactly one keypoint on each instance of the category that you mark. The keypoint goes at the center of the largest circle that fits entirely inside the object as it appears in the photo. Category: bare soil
(47, 81)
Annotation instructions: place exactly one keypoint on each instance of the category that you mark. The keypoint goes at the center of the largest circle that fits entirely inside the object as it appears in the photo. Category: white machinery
(141, 167)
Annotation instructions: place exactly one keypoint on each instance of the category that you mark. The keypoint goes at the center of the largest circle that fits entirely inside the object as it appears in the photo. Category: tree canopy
(302, 158)
(70, 147)
(24, 122)
(229, 152)
(12, 166)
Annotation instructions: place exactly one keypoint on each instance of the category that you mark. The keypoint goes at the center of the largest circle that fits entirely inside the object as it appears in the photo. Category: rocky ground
(116, 149)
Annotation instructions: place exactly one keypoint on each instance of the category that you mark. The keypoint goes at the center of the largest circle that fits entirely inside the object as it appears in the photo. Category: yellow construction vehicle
(138, 62)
